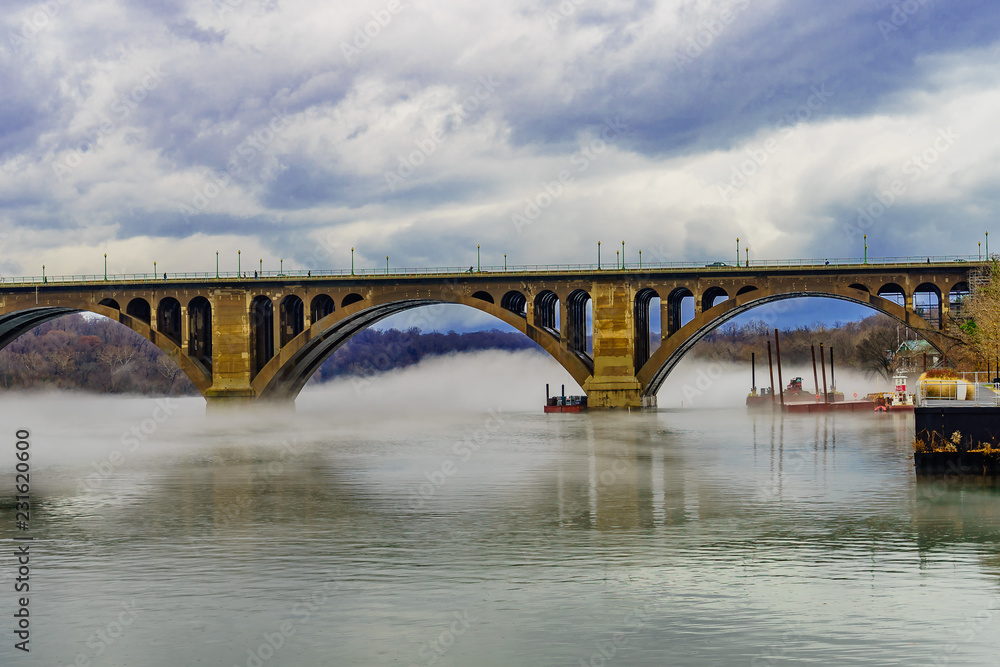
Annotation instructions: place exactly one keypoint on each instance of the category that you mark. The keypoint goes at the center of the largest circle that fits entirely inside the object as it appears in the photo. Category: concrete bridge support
(231, 349)
(613, 383)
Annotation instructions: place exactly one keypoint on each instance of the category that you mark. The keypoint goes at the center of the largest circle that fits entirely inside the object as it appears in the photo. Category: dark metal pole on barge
(770, 370)
(781, 382)
(753, 373)
(833, 382)
(822, 363)
(812, 348)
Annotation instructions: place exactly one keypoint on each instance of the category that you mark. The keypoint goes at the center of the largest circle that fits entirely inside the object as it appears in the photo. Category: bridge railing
(968, 390)
(389, 272)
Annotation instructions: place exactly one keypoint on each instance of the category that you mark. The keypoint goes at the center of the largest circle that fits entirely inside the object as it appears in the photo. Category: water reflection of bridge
(245, 339)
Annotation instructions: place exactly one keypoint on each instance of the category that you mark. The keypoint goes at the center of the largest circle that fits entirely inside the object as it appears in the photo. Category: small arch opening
(580, 318)
(680, 309)
(293, 318)
(200, 330)
(927, 303)
(893, 292)
(647, 309)
(483, 296)
(261, 332)
(547, 312)
(139, 309)
(110, 303)
(515, 302)
(351, 298)
(958, 297)
(168, 318)
(321, 306)
(713, 296)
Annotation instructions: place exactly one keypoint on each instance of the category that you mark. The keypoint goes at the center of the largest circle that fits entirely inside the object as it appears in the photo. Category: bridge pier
(613, 384)
(224, 399)
(230, 351)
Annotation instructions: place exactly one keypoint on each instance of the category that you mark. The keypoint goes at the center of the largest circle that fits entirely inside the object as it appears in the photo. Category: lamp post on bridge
(238, 267)
(281, 266)
(737, 251)
(623, 255)
(352, 261)
(640, 260)
(747, 250)
(866, 248)
(387, 265)
(43, 273)
(598, 255)
(618, 259)
(105, 267)
(980, 244)
(261, 274)
(479, 266)
(216, 263)
(505, 262)
(154, 270)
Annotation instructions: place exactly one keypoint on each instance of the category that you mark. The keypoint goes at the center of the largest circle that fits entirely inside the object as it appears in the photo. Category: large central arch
(655, 371)
(284, 376)
(18, 322)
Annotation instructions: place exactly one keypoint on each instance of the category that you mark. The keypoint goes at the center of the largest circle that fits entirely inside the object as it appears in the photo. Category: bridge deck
(836, 265)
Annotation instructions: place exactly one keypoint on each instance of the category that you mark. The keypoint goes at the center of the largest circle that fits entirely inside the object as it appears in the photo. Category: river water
(385, 531)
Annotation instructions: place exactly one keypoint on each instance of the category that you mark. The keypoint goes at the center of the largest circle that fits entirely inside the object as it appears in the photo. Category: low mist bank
(109, 436)
(697, 383)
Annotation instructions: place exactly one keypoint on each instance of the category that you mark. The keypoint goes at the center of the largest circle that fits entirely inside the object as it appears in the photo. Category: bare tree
(876, 352)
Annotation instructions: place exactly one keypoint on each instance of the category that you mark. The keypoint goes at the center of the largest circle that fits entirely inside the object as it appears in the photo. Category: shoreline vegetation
(98, 355)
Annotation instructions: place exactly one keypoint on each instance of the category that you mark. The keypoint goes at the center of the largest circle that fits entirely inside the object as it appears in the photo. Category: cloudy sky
(165, 131)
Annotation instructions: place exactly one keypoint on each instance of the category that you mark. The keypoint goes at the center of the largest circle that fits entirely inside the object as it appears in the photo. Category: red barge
(564, 403)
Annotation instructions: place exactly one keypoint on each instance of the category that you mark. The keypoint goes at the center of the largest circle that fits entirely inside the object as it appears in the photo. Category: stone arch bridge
(242, 339)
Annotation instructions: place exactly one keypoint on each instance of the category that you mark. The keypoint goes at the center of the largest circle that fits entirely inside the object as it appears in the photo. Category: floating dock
(839, 406)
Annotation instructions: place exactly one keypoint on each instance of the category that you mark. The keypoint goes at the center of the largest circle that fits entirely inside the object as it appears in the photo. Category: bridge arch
(168, 319)
(745, 289)
(515, 302)
(675, 301)
(578, 331)
(547, 312)
(484, 296)
(139, 309)
(641, 318)
(261, 333)
(284, 376)
(16, 320)
(653, 373)
(110, 303)
(351, 298)
(711, 295)
(893, 292)
(200, 330)
(927, 303)
(293, 318)
(958, 295)
(321, 306)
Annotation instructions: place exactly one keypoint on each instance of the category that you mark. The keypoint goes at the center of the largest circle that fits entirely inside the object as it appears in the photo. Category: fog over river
(435, 516)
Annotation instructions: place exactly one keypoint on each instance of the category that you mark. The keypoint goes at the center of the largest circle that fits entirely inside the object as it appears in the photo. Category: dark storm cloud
(708, 91)
(690, 80)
